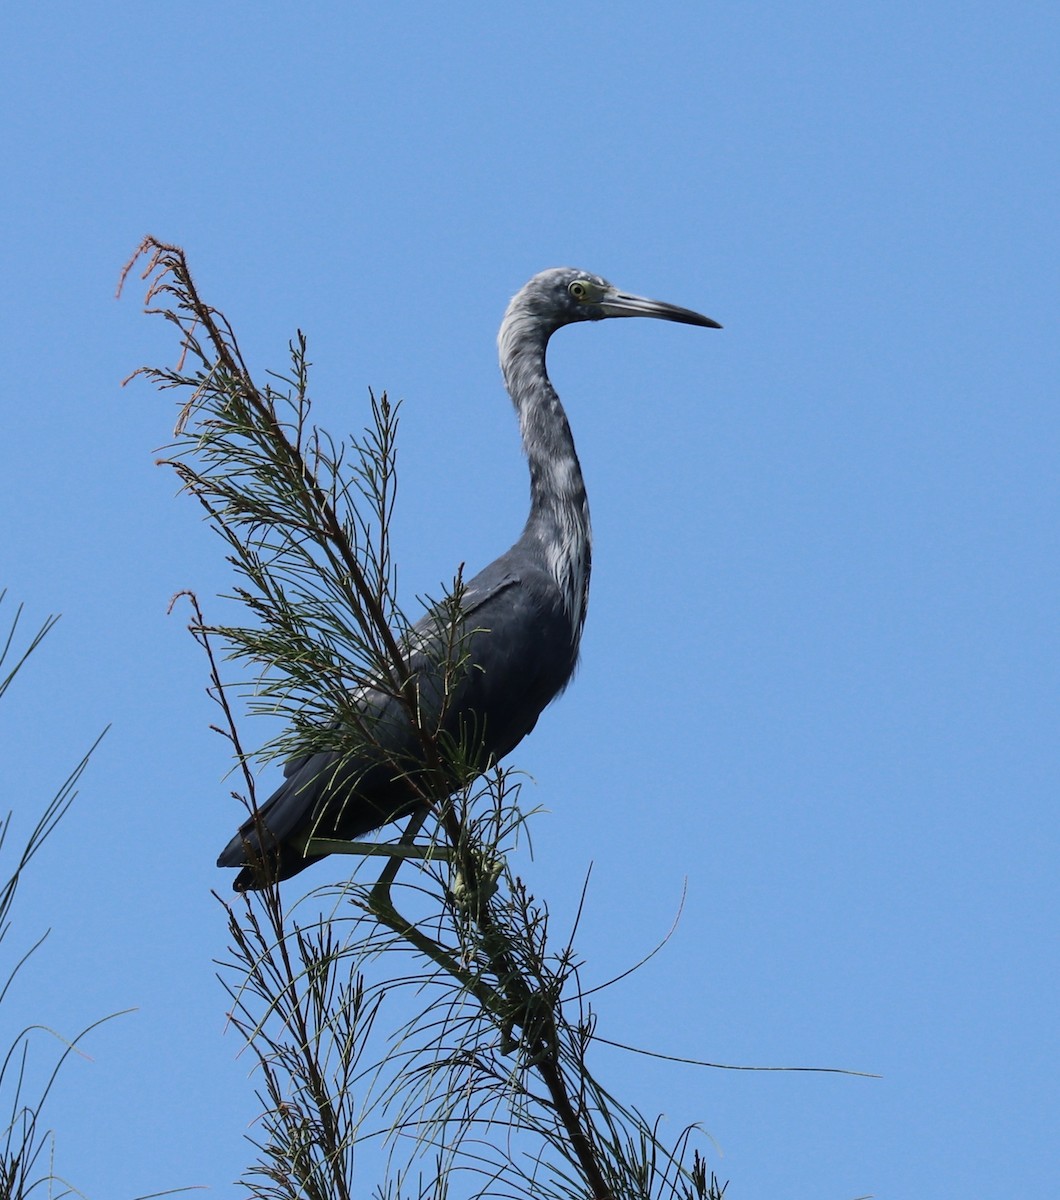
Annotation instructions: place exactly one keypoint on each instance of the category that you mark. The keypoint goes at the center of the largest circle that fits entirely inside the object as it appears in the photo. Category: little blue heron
(520, 619)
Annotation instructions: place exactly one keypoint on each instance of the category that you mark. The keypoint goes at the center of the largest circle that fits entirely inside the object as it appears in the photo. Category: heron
(520, 619)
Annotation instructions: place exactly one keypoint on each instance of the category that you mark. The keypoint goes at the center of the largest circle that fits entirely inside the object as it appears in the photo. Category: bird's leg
(381, 906)
(513, 1005)
(406, 848)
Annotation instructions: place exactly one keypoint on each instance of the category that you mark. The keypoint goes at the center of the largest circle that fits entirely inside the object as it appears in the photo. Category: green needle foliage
(27, 1145)
(436, 1017)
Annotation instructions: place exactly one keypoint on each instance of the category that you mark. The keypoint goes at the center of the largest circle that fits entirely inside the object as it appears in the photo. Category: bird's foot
(475, 881)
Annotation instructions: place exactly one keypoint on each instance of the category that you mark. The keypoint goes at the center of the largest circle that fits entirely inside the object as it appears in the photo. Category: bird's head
(562, 295)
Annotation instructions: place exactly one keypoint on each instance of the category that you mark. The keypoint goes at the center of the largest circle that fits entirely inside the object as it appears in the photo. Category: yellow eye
(578, 290)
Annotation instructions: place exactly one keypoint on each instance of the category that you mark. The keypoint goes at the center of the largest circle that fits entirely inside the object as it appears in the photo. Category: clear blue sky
(820, 672)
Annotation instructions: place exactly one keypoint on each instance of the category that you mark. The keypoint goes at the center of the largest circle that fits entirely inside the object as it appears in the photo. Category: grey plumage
(521, 617)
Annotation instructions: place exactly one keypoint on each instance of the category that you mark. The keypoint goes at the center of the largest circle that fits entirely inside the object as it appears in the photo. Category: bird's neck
(559, 508)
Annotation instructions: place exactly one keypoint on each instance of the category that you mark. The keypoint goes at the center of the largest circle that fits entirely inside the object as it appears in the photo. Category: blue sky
(819, 676)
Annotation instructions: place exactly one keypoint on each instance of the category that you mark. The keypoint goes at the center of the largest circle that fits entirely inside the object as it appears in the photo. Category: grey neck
(559, 507)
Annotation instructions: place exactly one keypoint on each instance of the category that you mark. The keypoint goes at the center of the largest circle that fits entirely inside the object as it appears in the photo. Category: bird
(520, 619)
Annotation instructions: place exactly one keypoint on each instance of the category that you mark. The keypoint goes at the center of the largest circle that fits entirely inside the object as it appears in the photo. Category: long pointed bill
(621, 304)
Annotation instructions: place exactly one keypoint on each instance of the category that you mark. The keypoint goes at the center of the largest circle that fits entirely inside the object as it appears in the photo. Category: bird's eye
(578, 290)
